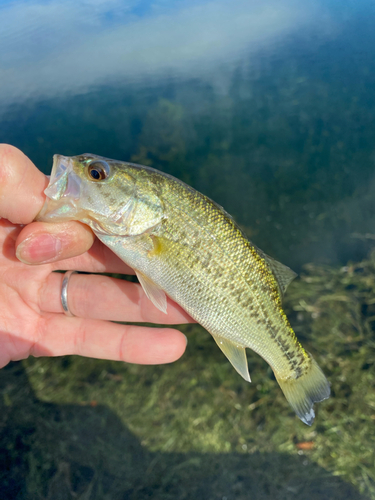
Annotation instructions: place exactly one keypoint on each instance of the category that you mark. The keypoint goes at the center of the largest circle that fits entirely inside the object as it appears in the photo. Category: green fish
(182, 244)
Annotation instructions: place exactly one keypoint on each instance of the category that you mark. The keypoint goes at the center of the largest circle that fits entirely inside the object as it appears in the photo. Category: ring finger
(101, 297)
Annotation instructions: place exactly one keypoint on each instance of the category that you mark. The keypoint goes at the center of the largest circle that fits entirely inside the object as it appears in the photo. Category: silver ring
(64, 292)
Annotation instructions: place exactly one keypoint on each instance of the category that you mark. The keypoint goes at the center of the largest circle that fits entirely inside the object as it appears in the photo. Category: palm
(19, 291)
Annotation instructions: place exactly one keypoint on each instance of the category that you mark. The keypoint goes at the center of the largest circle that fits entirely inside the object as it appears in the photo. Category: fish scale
(236, 320)
(182, 244)
(234, 266)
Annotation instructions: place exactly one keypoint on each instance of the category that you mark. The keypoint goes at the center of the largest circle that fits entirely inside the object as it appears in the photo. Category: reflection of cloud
(54, 47)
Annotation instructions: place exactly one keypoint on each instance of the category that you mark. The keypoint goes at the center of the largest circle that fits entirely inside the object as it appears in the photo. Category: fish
(183, 245)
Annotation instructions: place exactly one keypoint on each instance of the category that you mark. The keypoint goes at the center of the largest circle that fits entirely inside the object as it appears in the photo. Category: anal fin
(153, 292)
(236, 355)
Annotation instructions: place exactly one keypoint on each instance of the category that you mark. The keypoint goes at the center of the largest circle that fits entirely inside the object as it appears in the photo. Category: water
(266, 107)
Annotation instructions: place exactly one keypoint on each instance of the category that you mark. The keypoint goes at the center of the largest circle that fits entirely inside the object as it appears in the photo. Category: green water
(280, 132)
(270, 110)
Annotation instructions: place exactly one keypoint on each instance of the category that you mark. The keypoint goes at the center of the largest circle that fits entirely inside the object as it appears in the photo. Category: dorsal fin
(283, 274)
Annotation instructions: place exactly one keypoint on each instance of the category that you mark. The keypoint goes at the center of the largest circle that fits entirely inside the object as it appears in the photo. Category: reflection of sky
(50, 47)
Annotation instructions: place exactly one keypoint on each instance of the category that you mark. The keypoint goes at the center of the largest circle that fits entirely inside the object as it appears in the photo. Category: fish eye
(98, 170)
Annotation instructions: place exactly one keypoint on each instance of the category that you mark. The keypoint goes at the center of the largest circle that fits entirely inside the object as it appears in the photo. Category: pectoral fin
(153, 292)
(236, 355)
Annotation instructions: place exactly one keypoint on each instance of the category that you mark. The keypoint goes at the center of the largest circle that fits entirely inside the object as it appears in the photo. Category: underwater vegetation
(95, 429)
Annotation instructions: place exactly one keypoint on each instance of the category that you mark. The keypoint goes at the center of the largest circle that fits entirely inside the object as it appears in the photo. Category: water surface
(268, 109)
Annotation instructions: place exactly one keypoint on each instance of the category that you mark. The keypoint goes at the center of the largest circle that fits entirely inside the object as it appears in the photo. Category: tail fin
(302, 392)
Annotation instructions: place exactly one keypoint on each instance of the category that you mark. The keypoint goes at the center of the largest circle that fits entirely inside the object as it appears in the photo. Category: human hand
(32, 321)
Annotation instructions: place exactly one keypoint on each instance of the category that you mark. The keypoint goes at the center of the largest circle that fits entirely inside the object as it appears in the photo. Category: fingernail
(186, 339)
(39, 249)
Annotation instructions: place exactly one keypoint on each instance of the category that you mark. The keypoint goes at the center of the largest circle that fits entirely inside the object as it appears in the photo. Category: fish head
(105, 194)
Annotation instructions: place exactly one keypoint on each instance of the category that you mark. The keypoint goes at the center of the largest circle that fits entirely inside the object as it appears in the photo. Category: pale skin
(32, 321)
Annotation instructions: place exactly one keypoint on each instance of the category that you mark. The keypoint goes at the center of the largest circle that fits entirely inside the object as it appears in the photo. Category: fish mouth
(63, 192)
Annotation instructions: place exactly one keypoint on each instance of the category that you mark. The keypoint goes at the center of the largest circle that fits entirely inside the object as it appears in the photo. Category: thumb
(21, 186)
